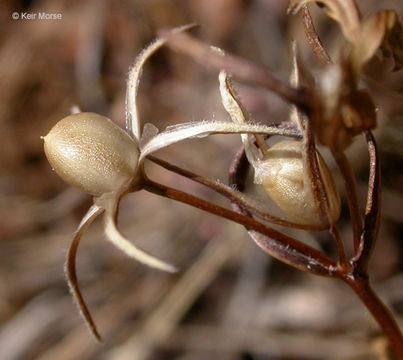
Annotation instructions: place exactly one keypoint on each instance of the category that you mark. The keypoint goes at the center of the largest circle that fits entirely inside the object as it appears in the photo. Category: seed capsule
(92, 153)
(286, 182)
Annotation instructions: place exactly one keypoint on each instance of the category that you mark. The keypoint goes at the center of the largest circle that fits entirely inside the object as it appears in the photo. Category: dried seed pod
(287, 183)
(92, 153)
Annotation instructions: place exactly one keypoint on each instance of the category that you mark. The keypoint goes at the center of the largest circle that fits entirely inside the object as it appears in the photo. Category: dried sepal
(378, 31)
(313, 38)
(299, 74)
(70, 269)
(110, 204)
(289, 255)
(345, 12)
(176, 133)
(133, 81)
(107, 203)
(149, 131)
(238, 114)
(372, 218)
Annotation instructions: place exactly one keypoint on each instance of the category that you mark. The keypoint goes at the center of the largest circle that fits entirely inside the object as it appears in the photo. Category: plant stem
(282, 247)
(240, 68)
(379, 311)
(360, 285)
(232, 195)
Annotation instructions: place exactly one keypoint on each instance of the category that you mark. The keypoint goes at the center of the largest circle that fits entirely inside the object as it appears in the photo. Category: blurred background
(230, 300)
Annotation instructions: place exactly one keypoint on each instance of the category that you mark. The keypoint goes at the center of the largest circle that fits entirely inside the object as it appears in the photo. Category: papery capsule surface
(92, 153)
(286, 181)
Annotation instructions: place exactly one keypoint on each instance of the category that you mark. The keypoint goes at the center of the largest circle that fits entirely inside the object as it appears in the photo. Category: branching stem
(230, 194)
(285, 248)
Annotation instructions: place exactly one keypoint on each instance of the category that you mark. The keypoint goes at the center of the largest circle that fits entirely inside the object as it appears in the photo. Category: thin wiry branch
(242, 69)
(247, 203)
(282, 247)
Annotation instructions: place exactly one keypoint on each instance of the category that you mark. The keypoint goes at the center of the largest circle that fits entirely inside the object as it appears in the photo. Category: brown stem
(238, 67)
(238, 173)
(313, 38)
(231, 195)
(352, 197)
(283, 247)
(379, 311)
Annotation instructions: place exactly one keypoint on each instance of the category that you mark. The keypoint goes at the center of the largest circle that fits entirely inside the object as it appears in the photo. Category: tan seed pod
(92, 153)
(286, 181)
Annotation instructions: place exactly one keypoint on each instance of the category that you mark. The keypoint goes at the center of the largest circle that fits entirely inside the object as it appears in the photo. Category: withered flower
(342, 109)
